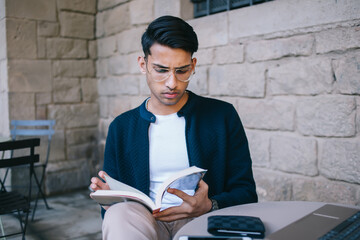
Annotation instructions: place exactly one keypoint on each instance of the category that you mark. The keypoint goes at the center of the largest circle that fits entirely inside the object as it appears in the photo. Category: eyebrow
(161, 66)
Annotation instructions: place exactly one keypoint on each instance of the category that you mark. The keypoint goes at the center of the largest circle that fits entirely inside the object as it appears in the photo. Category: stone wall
(48, 72)
(291, 69)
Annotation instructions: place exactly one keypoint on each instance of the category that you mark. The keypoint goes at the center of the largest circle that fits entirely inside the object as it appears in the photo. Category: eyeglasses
(160, 73)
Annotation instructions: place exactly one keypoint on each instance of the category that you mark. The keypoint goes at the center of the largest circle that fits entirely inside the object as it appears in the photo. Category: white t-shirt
(168, 153)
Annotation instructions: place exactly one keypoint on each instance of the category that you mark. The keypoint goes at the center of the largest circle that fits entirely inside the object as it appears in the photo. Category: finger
(170, 214)
(102, 175)
(97, 184)
(179, 193)
(171, 218)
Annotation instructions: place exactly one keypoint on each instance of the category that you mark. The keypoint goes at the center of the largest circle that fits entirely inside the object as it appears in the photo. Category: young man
(172, 130)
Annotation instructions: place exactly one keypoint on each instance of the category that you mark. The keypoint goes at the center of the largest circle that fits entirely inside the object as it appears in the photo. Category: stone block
(322, 190)
(247, 80)
(230, 54)
(358, 114)
(68, 175)
(277, 16)
(47, 29)
(340, 159)
(21, 106)
(347, 74)
(199, 82)
(204, 56)
(301, 76)
(216, 35)
(294, 155)
(121, 104)
(103, 128)
(118, 65)
(65, 48)
(32, 9)
(103, 106)
(3, 46)
(106, 47)
(101, 150)
(41, 112)
(130, 40)
(140, 12)
(133, 63)
(329, 116)
(81, 136)
(29, 75)
(82, 151)
(21, 39)
(144, 88)
(2, 9)
(76, 115)
(86, 6)
(102, 67)
(272, 186)
(167, 7)
(66, 90)
(73, 68)
(100, 30)
(259, 142)
(104, 4)
(128, 85)
(76, 25)
(338, 39)
(57, 148)
(277, 48)
(41, 47)
(279, 114)
(4, 87)
(92, 49)
(89, 89)
(43, 98)
(114, 20)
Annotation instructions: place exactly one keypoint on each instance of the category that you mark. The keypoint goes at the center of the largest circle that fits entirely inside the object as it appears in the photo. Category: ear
(142, 64)
(194, 61)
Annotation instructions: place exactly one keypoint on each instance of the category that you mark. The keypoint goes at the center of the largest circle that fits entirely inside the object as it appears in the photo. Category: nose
(171, 81)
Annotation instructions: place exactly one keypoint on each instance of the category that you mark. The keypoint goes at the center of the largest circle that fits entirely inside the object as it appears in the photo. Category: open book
(183, 180)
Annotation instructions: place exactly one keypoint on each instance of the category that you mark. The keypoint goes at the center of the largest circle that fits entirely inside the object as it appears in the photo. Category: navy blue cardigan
(215, 140)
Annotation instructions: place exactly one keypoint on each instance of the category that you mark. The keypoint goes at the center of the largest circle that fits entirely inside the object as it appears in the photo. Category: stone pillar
(50, 74)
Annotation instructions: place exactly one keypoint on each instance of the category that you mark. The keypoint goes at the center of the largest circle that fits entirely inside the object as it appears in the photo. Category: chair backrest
(33, 128)
(10, 161)
(16, 145)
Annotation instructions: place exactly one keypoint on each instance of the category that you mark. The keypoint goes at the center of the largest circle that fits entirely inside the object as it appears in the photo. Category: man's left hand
(192, 206)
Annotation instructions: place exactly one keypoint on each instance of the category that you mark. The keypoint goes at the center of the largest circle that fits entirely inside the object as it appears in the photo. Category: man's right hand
(97, 184)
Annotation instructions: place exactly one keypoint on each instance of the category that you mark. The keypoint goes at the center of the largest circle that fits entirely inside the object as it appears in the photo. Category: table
(275, 215)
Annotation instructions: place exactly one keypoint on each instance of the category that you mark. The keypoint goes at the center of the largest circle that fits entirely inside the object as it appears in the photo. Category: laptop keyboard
(347, 230)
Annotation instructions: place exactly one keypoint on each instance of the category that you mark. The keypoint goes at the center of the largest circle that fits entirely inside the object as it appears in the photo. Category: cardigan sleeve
(239, 182)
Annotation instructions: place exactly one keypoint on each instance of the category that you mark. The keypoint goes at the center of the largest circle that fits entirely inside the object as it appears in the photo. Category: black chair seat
(13, 201)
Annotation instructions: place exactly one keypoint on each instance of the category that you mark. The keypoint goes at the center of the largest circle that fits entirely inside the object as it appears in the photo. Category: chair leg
(40, 192)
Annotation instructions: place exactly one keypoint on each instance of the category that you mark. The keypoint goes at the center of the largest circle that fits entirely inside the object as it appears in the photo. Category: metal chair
(35, 128)
(11, 201)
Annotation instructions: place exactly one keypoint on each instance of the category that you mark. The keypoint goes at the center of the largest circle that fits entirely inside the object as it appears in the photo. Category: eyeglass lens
(181, 74)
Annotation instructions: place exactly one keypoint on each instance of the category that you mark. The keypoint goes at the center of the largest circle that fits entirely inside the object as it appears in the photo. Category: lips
(171, 94)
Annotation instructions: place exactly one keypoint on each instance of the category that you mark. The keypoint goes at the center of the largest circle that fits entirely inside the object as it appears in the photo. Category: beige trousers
(132, 221)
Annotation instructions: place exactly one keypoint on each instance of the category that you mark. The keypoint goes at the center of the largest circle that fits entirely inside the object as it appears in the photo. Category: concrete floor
(73, 216)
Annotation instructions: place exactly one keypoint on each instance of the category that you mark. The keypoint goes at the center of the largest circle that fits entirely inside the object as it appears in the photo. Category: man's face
(166, 69)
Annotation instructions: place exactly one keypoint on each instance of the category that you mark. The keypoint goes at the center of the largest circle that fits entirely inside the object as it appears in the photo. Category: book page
(116, 185)
(185, 180)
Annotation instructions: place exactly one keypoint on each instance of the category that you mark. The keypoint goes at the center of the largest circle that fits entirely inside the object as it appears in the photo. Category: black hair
(172, 32)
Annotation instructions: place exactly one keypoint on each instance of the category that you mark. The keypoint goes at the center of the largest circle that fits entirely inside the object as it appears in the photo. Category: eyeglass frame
(171, 70)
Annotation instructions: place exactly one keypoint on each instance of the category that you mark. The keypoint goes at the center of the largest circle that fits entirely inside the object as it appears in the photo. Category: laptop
(316, 224)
